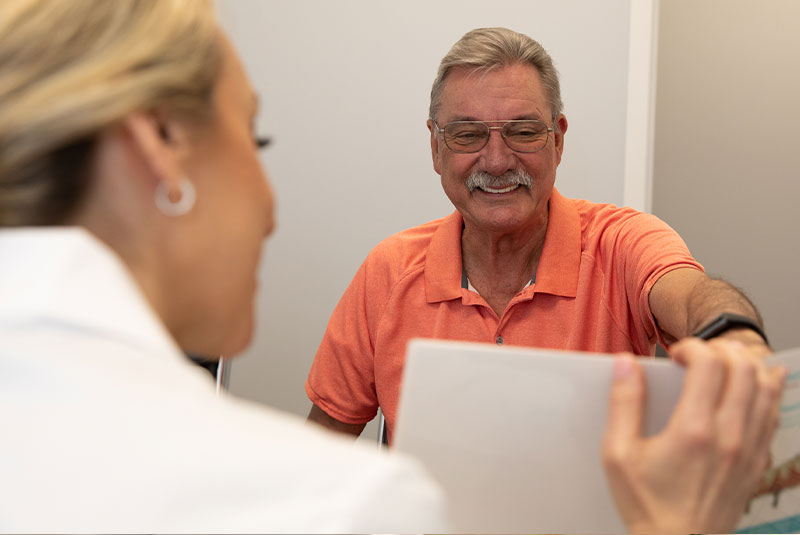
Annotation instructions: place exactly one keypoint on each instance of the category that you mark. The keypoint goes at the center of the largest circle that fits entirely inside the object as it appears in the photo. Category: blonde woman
(134, 209)
(132, 212)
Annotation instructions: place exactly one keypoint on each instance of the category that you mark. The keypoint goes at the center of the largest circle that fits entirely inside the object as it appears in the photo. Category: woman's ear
(159, 144)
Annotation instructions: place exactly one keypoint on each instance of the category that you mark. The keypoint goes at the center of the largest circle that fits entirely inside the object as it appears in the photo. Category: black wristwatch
(727, 321)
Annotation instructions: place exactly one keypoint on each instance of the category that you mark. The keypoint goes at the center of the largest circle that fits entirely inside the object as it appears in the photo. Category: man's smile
(498, 190)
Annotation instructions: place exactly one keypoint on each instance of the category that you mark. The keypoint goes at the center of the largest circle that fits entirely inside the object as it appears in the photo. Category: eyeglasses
(471, 136)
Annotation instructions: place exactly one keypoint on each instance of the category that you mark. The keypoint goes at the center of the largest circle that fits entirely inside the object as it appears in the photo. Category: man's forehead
(514, 92)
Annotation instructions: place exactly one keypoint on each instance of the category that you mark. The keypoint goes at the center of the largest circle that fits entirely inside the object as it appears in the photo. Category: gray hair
(484, 49)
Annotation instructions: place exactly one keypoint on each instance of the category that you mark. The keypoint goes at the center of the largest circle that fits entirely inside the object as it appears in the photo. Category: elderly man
(516, 263)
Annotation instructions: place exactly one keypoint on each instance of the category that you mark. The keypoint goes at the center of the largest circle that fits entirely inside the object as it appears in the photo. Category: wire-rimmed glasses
(522, 135)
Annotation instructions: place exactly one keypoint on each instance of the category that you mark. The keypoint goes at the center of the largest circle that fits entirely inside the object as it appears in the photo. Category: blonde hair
(72, 68)
(484, 49)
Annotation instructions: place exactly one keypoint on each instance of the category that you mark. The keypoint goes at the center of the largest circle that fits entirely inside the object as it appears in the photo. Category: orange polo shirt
(590, 293)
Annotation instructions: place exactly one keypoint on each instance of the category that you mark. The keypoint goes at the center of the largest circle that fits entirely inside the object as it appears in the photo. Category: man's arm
(322, 418)
(684, 300)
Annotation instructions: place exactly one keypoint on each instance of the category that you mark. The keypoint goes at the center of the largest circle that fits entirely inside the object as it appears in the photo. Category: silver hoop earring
(182, 205)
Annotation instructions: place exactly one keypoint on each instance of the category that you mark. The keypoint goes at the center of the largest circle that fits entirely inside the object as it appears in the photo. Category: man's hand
(698, 474)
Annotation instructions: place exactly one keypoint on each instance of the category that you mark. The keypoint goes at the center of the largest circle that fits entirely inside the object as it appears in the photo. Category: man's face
(513, 92)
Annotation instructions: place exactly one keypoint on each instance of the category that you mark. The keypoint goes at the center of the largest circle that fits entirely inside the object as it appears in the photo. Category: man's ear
(160, 145)
(561, 125)
(434, 146)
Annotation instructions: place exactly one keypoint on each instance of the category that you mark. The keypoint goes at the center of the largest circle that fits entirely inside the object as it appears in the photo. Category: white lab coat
(106, 427)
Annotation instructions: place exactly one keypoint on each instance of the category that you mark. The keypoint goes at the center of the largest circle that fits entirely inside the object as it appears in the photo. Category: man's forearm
(322, 418)
(711, 297)
(685, 300)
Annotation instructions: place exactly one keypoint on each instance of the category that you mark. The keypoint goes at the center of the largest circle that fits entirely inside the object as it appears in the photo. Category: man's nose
(496, 156)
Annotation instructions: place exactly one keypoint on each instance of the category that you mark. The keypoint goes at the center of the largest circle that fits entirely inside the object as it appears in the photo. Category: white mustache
(482, 179)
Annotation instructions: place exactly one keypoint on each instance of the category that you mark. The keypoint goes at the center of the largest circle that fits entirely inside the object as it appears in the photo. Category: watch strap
(727, 321)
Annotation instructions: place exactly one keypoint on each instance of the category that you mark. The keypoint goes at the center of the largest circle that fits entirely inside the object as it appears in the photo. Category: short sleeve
(342, 377)
(637, 250)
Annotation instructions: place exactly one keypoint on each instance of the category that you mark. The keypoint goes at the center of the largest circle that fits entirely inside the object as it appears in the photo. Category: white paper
(514, 436)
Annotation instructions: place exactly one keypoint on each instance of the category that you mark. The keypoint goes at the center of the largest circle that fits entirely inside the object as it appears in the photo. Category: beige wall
(727, 145)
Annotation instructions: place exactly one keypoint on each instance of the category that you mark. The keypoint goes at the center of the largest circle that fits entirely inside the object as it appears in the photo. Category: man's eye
(525, 129)
(527, 133)
(467, 136)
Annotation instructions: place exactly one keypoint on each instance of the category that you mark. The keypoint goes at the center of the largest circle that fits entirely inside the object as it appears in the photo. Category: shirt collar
(558, 268)
(560, 263)
(443, 261)
(67, 276)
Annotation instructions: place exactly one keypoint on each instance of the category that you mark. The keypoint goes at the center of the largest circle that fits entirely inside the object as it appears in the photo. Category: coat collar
(67, 276)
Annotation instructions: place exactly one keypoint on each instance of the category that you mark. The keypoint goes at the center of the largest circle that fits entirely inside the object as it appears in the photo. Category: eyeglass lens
(472, 136)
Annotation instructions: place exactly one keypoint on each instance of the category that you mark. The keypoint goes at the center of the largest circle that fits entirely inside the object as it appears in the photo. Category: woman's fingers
(626, 403)
(703, 387)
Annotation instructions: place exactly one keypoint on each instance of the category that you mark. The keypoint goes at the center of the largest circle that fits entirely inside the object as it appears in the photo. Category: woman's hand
(698, 474)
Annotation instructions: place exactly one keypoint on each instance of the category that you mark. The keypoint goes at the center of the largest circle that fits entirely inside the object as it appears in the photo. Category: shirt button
(499, 340)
